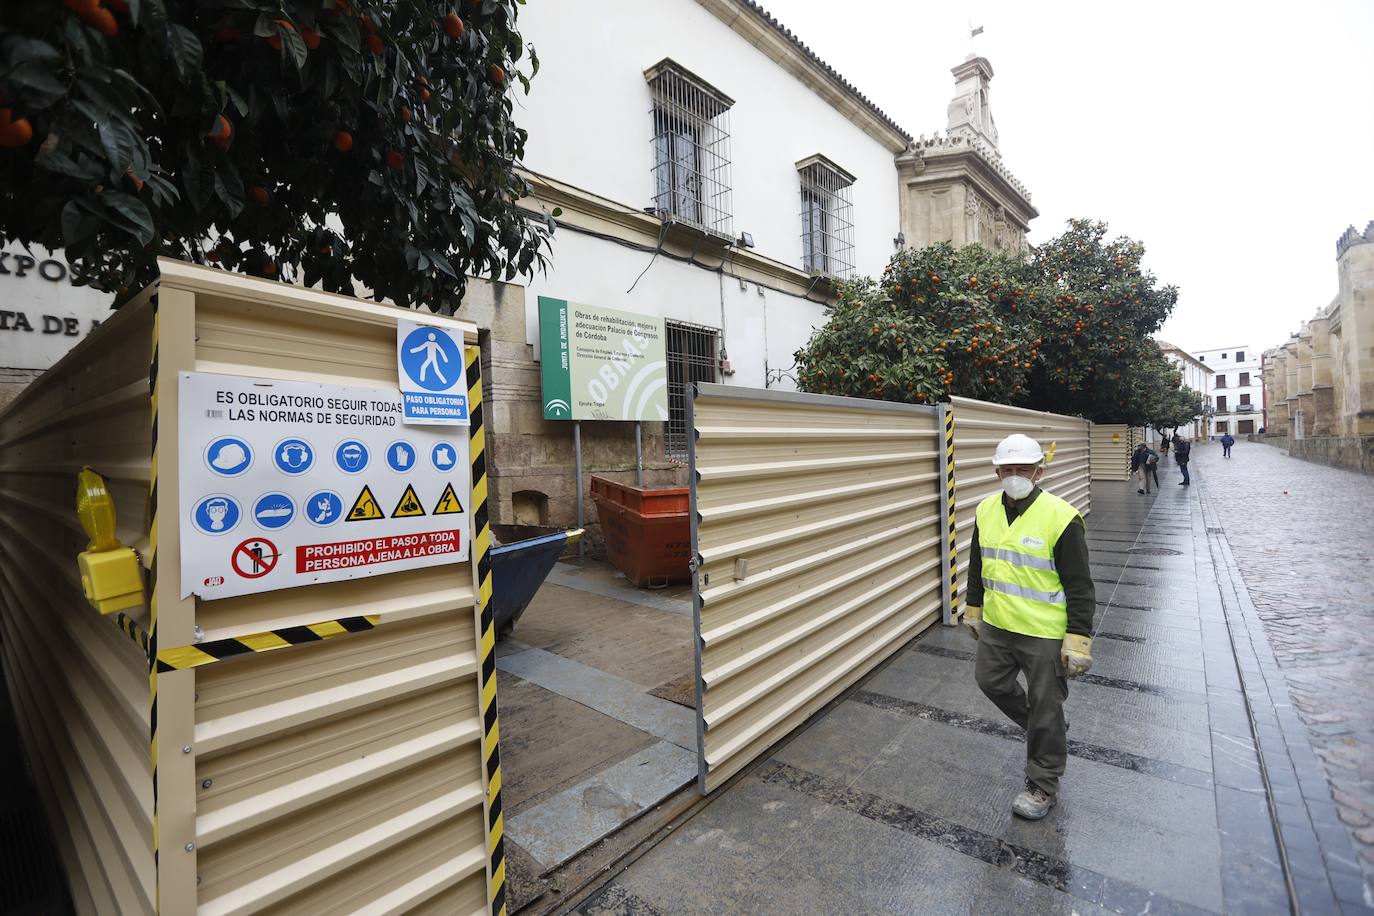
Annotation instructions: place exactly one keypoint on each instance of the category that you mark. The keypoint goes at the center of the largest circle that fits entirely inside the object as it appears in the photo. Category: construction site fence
(826, 535)
(312, 749)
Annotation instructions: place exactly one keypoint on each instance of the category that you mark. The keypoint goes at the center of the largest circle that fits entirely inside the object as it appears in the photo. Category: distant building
(1236, 390)
(1321, 381)
(1197, 375)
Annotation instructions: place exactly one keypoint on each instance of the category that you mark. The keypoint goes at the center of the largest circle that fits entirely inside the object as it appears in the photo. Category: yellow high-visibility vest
(1022, 592)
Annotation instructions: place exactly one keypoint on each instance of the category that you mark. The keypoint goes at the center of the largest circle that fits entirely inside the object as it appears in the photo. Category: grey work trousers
(1038, 709)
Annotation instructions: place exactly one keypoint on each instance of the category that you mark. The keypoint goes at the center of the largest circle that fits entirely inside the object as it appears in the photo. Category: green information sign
(601, 364)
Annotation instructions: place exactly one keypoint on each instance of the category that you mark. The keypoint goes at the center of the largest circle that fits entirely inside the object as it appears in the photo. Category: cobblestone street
(1297, 530)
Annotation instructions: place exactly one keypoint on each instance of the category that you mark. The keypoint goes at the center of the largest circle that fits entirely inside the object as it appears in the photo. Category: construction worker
(1030, 606)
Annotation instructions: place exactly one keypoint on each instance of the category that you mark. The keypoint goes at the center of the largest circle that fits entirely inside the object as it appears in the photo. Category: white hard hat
(1018, 448)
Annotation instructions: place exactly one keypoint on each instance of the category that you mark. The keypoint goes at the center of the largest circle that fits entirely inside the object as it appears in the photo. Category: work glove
(1076, 654)
(973, 619)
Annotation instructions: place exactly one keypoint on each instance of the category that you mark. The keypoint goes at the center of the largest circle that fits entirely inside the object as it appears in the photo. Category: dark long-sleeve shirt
(1070, 560)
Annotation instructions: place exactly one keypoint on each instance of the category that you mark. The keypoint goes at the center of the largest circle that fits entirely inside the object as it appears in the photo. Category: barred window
(692, 357)
(827, 218)
(691, 149)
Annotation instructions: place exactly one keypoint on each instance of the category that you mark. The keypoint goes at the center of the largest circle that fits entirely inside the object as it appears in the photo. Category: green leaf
(118, 142)
(187, 52)
(293, 44)
(129, 213)
(80, 219)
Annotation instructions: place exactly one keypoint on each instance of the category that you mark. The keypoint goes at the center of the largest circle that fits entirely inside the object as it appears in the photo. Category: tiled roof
(830, 71)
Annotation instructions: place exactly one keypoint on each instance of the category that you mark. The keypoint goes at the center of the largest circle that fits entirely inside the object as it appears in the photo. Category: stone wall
(1355, 453)
(13, 381)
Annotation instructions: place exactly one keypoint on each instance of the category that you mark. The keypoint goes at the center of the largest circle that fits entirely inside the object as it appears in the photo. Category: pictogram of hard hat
(1018, 448)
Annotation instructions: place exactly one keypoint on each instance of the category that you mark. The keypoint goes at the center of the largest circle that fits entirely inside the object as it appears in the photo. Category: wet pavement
(1295, 531)
(1192, 785)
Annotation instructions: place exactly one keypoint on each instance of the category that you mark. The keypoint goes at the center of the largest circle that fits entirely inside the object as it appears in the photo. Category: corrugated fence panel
(345, 774)
(78, 684)
(1111, 451)
(818, 537)
(979, 426)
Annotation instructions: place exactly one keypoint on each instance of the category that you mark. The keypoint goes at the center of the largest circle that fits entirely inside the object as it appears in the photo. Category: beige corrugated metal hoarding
(79, 686)
(820, 542)
(980, 425)
(316, 749)
(1112, 444)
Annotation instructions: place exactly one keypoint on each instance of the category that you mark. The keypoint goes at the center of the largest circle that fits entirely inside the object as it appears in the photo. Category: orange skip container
(648, 533)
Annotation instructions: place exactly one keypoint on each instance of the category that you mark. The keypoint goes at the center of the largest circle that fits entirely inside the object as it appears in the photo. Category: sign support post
(639, 454)
(577, 453)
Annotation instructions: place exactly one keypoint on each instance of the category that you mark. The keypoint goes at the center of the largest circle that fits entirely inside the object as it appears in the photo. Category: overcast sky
(1237, 145)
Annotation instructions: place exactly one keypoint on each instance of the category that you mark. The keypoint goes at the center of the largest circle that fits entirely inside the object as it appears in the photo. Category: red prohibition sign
(255, 558)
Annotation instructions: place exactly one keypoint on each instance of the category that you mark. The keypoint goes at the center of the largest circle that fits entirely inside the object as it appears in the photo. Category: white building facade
(1236, 389)
(702, 132)
(1197, 375)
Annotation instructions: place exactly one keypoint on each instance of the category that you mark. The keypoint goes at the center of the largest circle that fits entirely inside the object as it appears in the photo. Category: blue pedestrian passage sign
(429, 364)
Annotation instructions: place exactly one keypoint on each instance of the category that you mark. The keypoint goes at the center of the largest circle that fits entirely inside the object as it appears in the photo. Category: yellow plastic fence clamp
(1049, 454)
(111, 577)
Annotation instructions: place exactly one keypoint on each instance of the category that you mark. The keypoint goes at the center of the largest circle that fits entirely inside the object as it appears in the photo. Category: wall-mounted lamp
(746, 240)
(900, 241)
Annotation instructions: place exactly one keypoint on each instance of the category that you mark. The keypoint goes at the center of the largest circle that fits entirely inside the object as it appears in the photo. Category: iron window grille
(827, 218)
(691, 147)
(692, 357)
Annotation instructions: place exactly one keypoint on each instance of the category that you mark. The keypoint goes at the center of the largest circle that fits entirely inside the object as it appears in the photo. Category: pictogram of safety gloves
(1076, 654)
(973, 619)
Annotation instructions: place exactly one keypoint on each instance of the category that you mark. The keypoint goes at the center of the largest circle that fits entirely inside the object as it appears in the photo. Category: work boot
(1032, 802)
(1140, 491)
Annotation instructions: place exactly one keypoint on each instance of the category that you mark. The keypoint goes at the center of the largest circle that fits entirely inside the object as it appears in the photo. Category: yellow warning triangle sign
(448, 503)
(365, 507)
(409, 505)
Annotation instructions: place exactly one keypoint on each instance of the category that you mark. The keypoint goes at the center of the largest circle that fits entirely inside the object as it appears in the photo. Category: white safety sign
(293, 483)
(429, 365)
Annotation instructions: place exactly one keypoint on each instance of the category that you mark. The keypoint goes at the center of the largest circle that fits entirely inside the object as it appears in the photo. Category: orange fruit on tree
(311, 38)
(260, 195)
(496, 74)
(14, 133)
(102, 20)
(374, 44)
(394, 160)
(406, 115)
(343, 141)
(221, 130)
(453, 26)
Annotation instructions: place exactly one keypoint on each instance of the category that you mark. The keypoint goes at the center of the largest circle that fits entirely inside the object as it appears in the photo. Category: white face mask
(1017, 487)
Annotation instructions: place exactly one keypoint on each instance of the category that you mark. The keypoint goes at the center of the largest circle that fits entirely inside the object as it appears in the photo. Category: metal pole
(577, 451)
(639, 455)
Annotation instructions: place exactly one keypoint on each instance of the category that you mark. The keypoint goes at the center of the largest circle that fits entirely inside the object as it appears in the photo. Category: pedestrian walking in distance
(1227, 441)
(1182, 449)
(1145, 464)
(1164, 442)
(1030, 606)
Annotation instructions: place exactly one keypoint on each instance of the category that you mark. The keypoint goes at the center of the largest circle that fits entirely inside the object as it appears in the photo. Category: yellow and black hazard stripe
(151, 645)
(130, 628)
(207, 653)
(949, 495)
(481, 546)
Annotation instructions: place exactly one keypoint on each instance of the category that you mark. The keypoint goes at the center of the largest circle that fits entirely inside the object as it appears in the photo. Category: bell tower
(956, 188)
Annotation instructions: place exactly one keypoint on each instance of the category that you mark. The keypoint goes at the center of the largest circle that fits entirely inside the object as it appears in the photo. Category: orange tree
(344, 140)
(1095, 310)
(941, 321)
